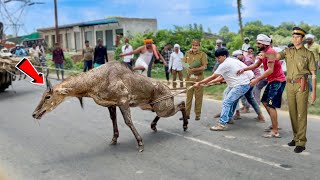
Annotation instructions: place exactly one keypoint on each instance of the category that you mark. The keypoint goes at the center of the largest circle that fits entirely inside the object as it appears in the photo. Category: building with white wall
(72, 36)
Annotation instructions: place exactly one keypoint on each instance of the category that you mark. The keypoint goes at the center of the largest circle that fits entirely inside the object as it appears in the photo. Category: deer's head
(51, 98)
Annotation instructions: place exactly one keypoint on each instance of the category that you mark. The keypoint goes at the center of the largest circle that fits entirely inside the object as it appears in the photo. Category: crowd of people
(244, 71)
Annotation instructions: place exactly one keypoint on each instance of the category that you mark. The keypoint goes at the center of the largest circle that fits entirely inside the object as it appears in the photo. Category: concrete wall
(137, 25)
(129, 26)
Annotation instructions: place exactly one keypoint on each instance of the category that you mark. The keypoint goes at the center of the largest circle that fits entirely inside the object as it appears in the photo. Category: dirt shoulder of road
(3, 176)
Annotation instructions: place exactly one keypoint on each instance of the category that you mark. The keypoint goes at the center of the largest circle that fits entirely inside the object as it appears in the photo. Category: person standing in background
(58, 58)
(87, 54)
(100, 54)
(166, 53)
(127, 48)
(315, 49)
(175, 65)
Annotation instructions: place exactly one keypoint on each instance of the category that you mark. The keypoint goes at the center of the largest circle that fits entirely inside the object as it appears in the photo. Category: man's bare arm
(216, 80)
(136, 51)
(252, 67)
(267, 72)
(210, 78)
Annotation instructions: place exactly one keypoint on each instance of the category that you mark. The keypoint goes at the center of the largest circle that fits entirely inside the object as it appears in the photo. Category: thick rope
(180, 92)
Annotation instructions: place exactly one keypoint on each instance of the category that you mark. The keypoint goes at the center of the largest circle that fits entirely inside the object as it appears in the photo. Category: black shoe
(292, 143)
(188, 117)
(197, 118)
(299, 149)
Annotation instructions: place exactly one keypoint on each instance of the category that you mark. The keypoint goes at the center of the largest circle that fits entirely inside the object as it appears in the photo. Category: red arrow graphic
(28, 69)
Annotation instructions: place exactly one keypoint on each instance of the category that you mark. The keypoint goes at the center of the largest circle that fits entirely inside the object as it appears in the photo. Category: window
(119, 32)
(46, 38)
(77, 40)
(109, 39)
(53, 40)
(99, 35)
(88, 36)
(68, 40)
(61, 40)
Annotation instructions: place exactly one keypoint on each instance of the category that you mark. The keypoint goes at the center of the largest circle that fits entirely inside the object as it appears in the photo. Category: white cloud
(305, 3)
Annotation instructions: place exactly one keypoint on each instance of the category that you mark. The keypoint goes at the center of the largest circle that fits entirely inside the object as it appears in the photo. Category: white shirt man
(175, 62)
(40, 48)
(239, 84)
(228, 69)
(127, 48)
(34, 53)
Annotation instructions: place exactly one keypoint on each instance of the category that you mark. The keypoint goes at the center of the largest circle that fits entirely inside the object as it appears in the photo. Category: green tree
(252, 29)
(278, 40)
(195, 27)
(316, 31)
(235, 44)
(305, 26)
(283, 32)
(286, 26)
(224, 30)
(201, 28)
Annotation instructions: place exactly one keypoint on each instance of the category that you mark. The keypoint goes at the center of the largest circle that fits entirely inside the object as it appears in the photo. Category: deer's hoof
(113, 142)
(154, 128)
(185, 127)
(141, 148)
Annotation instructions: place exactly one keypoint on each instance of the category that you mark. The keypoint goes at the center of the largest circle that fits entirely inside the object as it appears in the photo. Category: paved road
(71, 143)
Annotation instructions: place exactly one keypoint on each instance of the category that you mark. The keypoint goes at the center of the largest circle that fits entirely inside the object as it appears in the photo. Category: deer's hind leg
(113, 116)
(125, 110)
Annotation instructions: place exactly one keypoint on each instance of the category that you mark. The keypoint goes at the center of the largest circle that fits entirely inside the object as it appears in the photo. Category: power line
(13, 17)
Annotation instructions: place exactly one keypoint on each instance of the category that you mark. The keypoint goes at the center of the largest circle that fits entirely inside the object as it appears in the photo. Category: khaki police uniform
(300, 62)
(190, 57)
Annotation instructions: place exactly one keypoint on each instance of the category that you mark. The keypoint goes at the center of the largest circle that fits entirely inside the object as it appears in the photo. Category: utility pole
(56, 21)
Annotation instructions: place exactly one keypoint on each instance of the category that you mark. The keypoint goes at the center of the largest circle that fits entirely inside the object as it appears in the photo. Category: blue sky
(212, 14)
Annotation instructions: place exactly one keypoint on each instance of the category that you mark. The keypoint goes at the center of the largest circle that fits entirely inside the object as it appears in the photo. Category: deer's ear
(63, 91)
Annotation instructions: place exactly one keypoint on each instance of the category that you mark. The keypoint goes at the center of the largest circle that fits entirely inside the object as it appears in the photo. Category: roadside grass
(216, 92)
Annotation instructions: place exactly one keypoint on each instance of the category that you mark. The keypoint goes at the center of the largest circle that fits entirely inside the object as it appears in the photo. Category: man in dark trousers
(100, 54)
(58, 58)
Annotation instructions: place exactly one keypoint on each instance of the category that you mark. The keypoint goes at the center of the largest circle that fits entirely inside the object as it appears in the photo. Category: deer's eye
(47, 97)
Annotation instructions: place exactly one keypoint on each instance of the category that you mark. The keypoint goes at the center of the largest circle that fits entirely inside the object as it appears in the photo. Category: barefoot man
(271, 98)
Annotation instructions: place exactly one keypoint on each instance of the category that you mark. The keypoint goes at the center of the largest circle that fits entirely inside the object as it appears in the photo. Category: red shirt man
(272, 95)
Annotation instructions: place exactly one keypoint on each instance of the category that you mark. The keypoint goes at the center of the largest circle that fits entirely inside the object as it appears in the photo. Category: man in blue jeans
(239, 86)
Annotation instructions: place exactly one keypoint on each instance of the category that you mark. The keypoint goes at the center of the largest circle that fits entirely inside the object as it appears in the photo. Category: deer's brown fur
(111, 85)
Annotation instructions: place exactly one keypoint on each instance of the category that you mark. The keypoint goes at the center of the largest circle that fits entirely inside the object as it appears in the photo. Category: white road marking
(229, 137)
(305, 153)
(247, 156)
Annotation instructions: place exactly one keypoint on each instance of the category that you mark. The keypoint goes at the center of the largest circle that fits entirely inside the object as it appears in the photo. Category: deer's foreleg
(113, 116)
(154, 123)
(166, 111)
(125, 110)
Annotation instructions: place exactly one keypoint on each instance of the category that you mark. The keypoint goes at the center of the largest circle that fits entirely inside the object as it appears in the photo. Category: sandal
(271, 135)
(269, 129)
